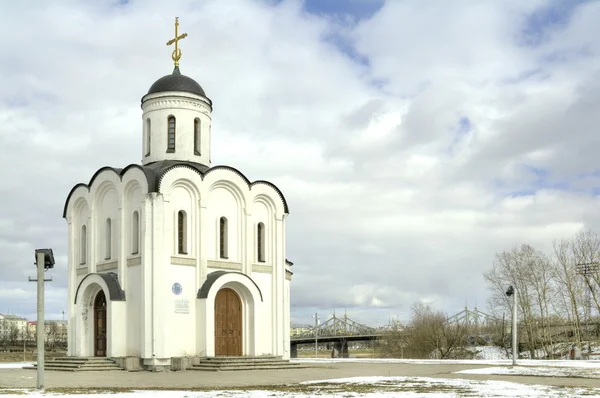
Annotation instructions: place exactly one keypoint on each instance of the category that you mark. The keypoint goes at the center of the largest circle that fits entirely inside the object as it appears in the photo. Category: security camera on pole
(44, 261)
(511, 292)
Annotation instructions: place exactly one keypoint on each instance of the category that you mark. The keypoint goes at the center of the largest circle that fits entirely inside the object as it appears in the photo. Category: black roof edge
(119, 172)
(214, 276)
(154, 181)
(115, 293)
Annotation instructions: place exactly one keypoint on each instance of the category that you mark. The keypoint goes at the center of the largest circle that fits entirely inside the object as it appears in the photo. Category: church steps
(216, 364)
(74, 364)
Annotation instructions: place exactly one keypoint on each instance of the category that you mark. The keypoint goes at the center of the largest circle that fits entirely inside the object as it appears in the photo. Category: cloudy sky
(412, 139)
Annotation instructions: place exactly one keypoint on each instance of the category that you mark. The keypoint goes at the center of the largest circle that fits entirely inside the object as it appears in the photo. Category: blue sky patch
(546, 19)
(357, 9)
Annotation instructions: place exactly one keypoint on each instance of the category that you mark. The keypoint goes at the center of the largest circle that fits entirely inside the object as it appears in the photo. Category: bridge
(338, 331)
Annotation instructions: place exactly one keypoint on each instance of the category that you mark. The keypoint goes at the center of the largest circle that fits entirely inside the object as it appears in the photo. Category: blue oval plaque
(177, 289)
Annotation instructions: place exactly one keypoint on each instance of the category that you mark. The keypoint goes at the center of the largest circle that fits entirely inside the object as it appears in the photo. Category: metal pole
(40, 321)
(316, 337)
(514, 329)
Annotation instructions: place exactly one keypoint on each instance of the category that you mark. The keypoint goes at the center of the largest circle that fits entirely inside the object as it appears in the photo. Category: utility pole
(511, 292)
(44, 261)
(316, 335)
(587, 269)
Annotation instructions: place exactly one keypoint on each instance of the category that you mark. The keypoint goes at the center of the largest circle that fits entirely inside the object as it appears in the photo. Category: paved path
(22, 378)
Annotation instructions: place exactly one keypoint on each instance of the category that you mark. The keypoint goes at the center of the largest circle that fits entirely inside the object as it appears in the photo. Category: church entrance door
(228, 323)
(100, 325)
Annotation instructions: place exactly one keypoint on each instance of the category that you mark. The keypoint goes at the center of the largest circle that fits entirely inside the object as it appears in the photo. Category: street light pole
(587, 269)
(514, 333)
(511, 292)
(316, 336)
(44, 260)
(40, 320)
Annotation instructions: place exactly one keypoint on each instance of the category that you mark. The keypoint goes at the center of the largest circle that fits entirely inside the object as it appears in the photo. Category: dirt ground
(29, 356)
(23, 378)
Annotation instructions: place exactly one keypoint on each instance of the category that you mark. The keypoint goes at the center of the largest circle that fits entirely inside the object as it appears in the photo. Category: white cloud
(391, 202)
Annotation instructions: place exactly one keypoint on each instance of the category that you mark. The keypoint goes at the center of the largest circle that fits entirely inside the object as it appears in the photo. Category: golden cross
(177, 52)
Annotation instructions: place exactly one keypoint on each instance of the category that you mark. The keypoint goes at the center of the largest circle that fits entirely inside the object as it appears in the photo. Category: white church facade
(176, 257)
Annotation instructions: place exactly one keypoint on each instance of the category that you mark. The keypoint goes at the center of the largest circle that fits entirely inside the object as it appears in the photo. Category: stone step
(205, 368)
(75, 369)
(82, 359)
(233, 365)
(77, 364)
(242, 359)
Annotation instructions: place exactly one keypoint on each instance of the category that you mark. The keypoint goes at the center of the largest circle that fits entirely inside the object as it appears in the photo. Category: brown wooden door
(100, 325)
(228, 323)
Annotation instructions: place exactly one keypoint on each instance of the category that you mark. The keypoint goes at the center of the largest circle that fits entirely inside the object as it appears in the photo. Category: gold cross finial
(177, 52)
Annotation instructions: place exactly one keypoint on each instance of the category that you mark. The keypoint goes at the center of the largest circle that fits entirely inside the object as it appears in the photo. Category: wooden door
(100, 325)
(228, 323)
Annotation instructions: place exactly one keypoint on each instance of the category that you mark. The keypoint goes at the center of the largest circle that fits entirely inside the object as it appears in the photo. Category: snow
(476, 362)
(377, 387)
(489, 352)
(593, 373)
(14, 365)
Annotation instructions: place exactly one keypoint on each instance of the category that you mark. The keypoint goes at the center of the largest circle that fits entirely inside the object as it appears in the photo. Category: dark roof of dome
(176, 82)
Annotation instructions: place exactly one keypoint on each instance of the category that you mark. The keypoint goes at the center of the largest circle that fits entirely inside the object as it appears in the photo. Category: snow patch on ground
(487, 352)
(591, 373)
(410, 387)
(505, 362)
(14, 365)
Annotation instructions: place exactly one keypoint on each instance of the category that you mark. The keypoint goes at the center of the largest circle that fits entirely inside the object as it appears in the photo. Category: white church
(176, 257)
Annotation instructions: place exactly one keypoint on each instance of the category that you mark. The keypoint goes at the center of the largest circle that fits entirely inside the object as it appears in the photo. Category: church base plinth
(131, 364)
(157, 364)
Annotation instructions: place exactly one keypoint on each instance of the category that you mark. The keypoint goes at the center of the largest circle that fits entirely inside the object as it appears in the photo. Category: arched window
(181, 232)
(171, 135)
(135, 233)
(260, 242)
(148, 136)
(108, 237)
(223, 237)
(197, 136)
(83, 245)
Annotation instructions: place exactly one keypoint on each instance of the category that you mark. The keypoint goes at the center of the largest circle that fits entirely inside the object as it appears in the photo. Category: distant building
(9, 323)
(297, 329)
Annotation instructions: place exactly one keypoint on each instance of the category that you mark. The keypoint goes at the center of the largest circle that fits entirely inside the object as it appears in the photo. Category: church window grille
(260, 242)
(83, 245)
(223, 237)
(197, 136)
(181, 232)
(148, 136)
(171, 135)
(108, 237)
(135, 233)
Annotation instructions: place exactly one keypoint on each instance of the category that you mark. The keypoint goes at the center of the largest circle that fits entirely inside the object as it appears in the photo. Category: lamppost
(44, 261)
(511, 292)
(587, 269)
(316, 335)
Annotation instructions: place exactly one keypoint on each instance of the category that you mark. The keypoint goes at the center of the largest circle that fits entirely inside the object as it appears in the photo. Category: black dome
(176, 82)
